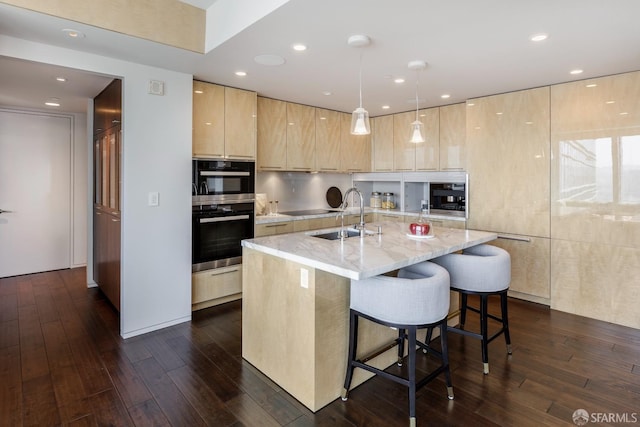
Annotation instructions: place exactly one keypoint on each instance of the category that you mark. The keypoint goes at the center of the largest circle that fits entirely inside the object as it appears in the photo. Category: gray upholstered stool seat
(417, 298)
(482, 270)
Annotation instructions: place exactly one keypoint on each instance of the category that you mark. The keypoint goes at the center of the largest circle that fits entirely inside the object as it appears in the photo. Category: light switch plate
(153, 198)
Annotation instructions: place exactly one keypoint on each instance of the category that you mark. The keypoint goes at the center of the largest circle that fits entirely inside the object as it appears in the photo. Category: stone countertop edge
(359, 258)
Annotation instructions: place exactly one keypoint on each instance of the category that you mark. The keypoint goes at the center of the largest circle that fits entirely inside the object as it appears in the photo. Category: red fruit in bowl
(419, 229)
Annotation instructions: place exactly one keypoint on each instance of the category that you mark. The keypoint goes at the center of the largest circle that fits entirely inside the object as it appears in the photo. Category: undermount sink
(335, 235)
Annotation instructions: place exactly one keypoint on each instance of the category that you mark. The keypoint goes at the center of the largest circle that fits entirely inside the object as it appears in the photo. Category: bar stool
(418, 298)
(482, 270)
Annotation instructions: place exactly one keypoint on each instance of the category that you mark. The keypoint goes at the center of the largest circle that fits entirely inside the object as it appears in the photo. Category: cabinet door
(327, 140)
(452, 137)
(508, 162)
(273, 228)
(382, 143)
(208, 120)
(240, 123)
(427, 152)
(301, 137)
(272, 134)
(210, 285)
(355, 150)
(113, 141)
(404, 152)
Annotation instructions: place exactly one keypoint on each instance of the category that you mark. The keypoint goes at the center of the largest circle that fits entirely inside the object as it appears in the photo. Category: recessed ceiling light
(270, 60)
(299, 47)
(577, 71)
(445, 96)
(61, 79)
(385, 107)
(326, 93)
(538, 37)
(398, 80)
(74, 34)
(592, 85)
(241, 73)
(52, 102)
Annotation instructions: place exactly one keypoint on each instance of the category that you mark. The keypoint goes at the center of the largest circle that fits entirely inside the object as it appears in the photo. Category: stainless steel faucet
(345, 203)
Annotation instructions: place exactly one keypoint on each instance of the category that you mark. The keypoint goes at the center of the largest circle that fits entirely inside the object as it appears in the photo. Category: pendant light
(360, 116)
(417, 128)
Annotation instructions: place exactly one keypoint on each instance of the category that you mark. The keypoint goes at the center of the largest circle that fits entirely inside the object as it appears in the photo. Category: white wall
(79, 190)
(156, 241)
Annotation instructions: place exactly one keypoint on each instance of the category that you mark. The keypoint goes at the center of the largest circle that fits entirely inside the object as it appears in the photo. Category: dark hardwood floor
(62, 362)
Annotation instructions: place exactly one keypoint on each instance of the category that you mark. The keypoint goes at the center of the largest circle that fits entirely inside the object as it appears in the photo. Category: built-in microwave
(223, 178)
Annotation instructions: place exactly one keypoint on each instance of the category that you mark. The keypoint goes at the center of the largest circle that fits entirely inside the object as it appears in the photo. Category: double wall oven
(222, 211)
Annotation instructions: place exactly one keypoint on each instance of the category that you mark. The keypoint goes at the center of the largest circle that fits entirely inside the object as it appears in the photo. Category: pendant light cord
(417, 103)
(360, 77)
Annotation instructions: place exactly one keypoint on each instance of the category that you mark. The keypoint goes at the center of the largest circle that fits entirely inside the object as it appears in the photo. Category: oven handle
(222, 173)
(223, 218)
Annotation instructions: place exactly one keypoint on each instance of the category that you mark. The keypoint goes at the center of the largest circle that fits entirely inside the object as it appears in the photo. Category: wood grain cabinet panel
(301, 137)
(273, 228)
(508, 163)
(272, 134)
(427, 152)
(382, 143)
(355, 150)
(404, 152)
(327, 140)
(224, 122)
(208, 119)
(240, 123)
(217, 286)
(452, 137)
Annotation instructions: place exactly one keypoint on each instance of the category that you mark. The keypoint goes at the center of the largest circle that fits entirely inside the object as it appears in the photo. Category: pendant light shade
(417, 128)
(360, 116)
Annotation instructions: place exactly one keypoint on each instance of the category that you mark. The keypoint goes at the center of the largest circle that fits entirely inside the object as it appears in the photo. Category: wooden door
(382, 143)
(240, 124)
(327, 140)
(272, 134)
(208, 120)
(301, 137)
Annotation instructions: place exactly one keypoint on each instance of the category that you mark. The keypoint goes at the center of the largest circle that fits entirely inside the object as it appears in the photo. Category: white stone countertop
(267, 219)
(360, 258)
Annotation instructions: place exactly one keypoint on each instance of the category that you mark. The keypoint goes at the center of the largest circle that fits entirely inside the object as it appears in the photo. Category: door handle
(3, 211)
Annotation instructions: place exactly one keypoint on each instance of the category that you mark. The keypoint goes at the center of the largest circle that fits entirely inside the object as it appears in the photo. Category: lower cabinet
(447, 223)
(106, 254)
(273, 228)
(213, 287)
(315, 223)
(530, 266)
(381, 217)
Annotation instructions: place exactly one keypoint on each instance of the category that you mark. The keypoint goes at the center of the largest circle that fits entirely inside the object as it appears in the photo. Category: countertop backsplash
(300, 190)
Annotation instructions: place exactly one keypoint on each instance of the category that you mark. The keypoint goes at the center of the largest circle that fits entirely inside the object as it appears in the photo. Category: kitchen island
(296, 302)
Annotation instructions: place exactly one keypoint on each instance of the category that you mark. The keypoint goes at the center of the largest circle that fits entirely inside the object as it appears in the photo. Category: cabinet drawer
(212, 284)
(273, 228)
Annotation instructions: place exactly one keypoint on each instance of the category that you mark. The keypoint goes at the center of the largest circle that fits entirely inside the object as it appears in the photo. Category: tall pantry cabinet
(508, 163)
(107, 154)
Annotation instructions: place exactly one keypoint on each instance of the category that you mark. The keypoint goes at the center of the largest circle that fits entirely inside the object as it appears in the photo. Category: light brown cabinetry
(273, 228)
(382, 143)
(409, 156)
(508, 163)
(213, 287)
(224, 122)
(452, 137)
(327, 140)
(272, 134)
(595, 198)
(301, 137)
(355, 150)
(107, 154)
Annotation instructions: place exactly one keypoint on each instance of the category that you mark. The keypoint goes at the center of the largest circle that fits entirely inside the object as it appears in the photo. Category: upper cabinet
(508, 162)
(355, 150)
(382, 143)
(301, 137)
(224, 122)
(452, 137)
(410, 156)
(327, 140)
(107, 107)
(272, 134)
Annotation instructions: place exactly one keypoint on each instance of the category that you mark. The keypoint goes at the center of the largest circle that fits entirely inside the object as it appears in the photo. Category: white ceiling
(473, 48)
